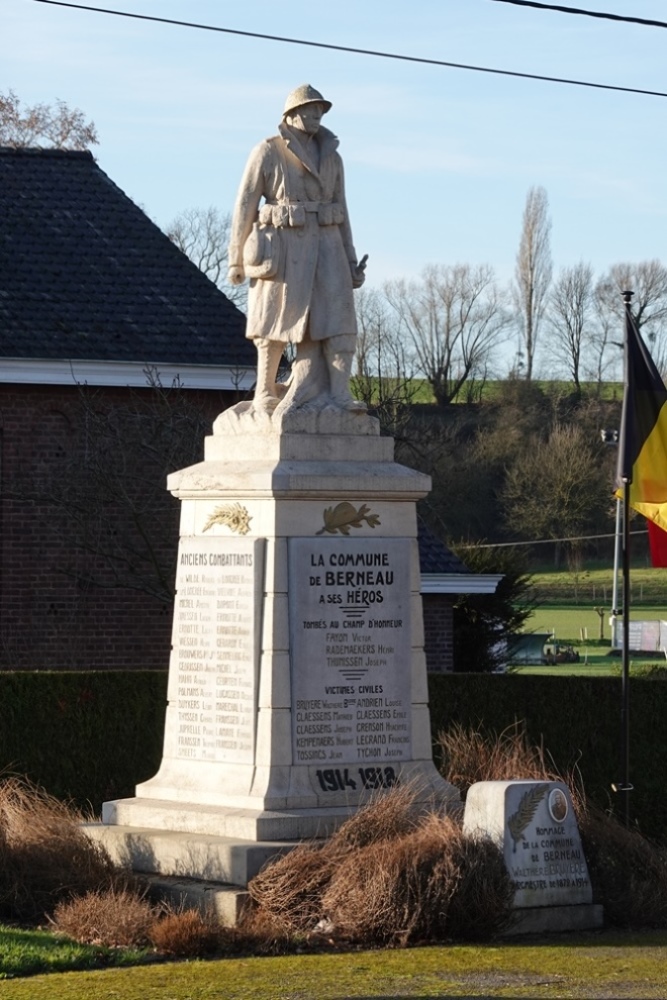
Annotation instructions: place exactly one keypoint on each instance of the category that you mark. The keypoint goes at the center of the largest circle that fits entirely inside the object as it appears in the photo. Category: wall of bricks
(88, 532)
(438, 634)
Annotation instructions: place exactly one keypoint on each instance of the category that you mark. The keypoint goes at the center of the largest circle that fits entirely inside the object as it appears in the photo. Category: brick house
(116, 353)
(443, 578)
(96, 303)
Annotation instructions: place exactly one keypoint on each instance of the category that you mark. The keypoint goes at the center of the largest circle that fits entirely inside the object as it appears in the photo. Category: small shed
(528, 648)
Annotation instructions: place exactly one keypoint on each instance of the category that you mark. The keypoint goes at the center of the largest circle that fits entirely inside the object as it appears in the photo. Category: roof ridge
(49, 151)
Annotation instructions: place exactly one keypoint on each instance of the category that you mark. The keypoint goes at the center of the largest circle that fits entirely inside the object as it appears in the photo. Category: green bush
(88, 737)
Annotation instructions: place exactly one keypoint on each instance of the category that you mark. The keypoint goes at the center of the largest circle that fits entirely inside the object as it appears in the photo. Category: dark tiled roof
(434, 556)
(85, 274)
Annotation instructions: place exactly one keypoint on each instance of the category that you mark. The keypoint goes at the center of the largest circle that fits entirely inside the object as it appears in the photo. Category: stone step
(227, 902)
(186, 855)
(225, 823)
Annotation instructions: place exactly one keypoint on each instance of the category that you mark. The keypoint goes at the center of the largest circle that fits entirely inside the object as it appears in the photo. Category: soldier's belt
(283, 215)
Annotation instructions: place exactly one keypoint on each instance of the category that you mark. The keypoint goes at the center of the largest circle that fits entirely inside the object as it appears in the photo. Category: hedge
(93, 736)
(88, 736)
(578, 722)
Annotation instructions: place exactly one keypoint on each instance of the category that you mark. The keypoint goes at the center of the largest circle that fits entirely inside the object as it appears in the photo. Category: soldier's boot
(340, 369)
(307, 379)
(269, 353)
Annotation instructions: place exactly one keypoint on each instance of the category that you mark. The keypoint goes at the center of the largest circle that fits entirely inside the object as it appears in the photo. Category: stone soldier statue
(291, 236)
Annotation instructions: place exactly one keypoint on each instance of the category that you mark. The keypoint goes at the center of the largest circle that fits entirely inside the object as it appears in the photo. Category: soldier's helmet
(305, 94)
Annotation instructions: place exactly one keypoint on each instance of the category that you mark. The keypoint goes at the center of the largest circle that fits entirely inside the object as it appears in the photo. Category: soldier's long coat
(311, 291)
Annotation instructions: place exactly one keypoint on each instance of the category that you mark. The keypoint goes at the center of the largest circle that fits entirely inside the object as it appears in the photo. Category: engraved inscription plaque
(215, 649)
(535, 826)
(349, 605)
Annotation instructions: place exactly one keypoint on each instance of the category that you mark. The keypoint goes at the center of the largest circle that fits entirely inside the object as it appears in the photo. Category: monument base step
(225, 822)
(183, 855)
(227, 902)
(556, 919)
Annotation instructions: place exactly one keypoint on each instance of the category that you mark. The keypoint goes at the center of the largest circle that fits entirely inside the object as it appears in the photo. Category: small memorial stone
(533, 823)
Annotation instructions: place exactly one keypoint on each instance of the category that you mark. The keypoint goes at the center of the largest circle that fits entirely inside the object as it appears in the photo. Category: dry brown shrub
(187, 933)
(628, 872)
(386, 892)
(481, 905)
(260, 932)
(389, 875)
(112, 917)
(469, 755)
(416, 887)
(291, 887)
(44, 855)
(388, 814)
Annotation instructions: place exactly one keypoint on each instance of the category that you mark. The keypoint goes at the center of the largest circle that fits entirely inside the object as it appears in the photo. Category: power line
(356, 51)
(586, 13)
(540, 541)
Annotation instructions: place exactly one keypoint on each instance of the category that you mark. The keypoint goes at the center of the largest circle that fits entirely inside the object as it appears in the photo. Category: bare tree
(556, 488)
(454, 319)
(385, 378)
(603, 354)
(533, 272)
(107, 495)
(571, 305)
(44, 125)
(648, 281)
(203, 236)
(373, 326)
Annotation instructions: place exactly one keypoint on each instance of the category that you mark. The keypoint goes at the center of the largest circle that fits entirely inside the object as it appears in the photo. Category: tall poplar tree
(532, 275)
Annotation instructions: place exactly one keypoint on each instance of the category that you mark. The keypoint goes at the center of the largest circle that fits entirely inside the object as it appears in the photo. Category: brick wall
(88, 531)
(438, 636)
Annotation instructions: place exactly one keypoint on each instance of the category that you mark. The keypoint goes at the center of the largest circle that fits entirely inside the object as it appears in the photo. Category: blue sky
(438, 161)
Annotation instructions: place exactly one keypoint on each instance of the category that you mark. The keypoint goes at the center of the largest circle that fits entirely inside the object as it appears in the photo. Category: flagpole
(624, 786)
(617, 565)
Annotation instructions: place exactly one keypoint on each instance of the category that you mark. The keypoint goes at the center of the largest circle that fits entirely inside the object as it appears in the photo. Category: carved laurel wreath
(344, 516)
(233, 515)
(527, 807)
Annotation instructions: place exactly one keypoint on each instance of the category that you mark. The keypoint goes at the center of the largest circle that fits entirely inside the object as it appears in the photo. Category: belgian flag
(642, 455)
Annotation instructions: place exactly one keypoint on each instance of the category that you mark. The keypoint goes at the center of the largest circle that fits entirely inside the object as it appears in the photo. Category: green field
(418, 390)
(568, 604)
(593, 587)
(582, 625)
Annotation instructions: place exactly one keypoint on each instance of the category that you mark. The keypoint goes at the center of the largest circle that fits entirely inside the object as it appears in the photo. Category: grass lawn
(568, 622)
(595, 965)
(27, 952)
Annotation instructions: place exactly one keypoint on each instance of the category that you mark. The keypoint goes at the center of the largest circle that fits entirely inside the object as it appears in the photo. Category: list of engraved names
(215, 648)
(349, 602)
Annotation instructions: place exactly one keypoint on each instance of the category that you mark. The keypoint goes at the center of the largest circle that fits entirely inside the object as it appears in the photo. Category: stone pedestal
(297, 681)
